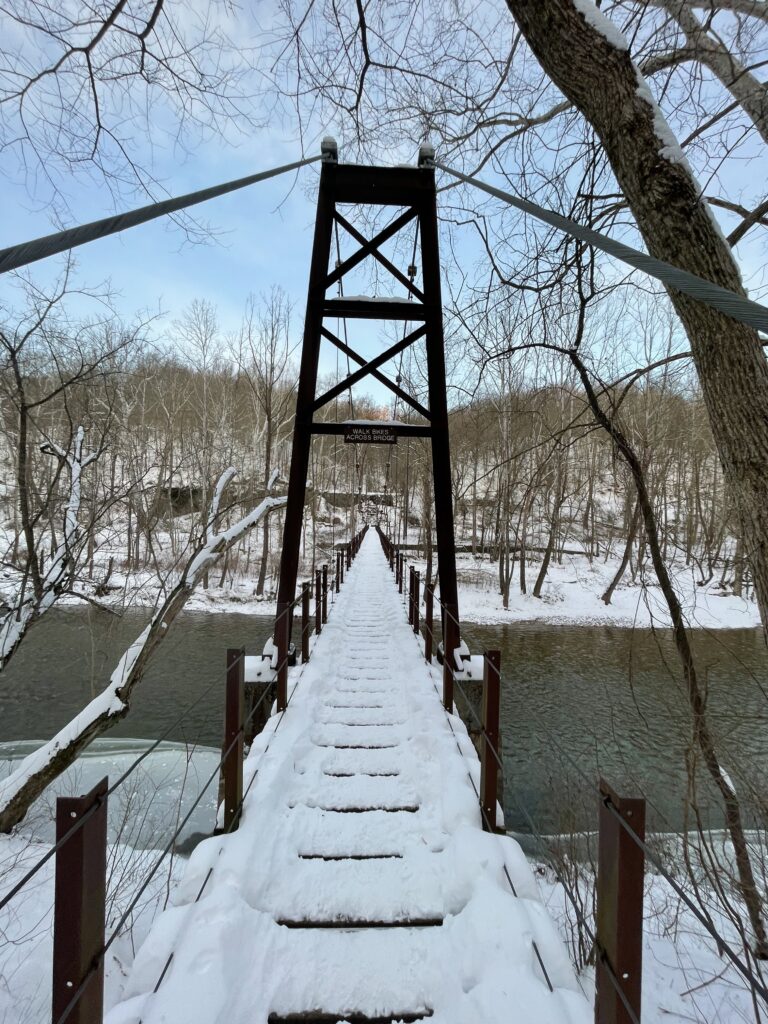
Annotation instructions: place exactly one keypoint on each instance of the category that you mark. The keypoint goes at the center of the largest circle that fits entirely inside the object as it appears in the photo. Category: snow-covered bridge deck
(360, 885)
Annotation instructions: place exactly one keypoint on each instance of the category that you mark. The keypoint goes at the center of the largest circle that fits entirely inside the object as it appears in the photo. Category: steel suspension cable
(21, 255)
(92, 810)
(737, 306)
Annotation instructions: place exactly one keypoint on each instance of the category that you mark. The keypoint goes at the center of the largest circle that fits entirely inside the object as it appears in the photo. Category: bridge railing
(617, 933)
(80, 942)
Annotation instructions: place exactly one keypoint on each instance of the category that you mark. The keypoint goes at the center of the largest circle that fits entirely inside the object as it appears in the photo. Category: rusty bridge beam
(620, 877)
(234, 738)
(79, 902)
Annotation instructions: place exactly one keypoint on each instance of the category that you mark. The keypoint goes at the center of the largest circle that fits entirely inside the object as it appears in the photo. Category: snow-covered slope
(360, 881)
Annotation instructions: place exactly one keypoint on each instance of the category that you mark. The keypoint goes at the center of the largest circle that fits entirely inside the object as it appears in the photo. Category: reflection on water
(69, 656)
(612, 699)
(586, 700)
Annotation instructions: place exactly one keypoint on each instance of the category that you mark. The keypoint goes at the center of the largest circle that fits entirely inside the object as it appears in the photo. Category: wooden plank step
(350, 856)
(360, 924)
(354, 707)
(367, 691)
(359, 747)
(362, 725)
(320, 1017)
(397, 809)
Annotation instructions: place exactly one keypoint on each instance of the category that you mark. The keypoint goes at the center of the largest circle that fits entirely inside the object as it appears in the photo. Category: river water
(576, 701)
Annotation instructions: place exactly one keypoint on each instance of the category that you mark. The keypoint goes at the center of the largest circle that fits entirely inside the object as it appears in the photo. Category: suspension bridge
(359, 885)
(360, 872)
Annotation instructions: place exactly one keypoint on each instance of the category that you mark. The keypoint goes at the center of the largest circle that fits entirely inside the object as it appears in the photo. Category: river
(576, 700)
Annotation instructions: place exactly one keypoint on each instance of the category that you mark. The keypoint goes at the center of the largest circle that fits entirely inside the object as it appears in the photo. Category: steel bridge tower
(413, 190)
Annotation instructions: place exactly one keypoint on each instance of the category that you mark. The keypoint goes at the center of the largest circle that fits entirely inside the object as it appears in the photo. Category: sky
(260, 237)
(263, 234)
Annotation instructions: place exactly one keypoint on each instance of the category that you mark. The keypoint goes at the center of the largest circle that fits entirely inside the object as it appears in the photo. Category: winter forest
(609, 479)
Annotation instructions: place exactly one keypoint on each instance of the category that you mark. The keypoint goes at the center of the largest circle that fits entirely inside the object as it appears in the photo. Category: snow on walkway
(359, 885)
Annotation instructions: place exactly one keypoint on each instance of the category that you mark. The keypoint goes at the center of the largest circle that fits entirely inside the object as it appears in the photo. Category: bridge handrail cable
(38, 865)
(155, 867)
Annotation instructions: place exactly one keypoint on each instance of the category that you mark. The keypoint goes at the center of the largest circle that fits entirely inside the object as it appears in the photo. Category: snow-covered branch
(226, 477)
(35, 772)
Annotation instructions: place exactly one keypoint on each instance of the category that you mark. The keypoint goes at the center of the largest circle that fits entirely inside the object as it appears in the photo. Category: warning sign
(368, 433)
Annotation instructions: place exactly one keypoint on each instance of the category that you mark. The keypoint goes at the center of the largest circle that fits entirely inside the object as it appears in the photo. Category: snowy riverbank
(572, 594)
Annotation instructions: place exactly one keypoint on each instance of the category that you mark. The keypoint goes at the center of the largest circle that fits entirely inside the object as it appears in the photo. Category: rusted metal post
(232, 762)
(489, 764)
(78, 914)
(416, 599)
(450, 643)
(282, 640)
(318, 601)
(325, 593)
(306, 594)
(411, 571)
(401, 573)
(429, 599)
(620, 871)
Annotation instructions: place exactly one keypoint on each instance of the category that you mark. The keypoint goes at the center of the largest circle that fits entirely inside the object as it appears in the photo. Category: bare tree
(47, 362)
(82, 87)
(36, 598)
(449, 74)
(264, 353)
(22, 787)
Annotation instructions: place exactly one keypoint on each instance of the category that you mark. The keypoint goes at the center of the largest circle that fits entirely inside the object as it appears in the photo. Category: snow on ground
(573, 594)
(259, 874)
(26, 924)
(684, 978)
(143, 815)
(362, 811)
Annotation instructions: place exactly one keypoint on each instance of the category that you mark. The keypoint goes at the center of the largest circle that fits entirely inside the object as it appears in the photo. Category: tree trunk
(631, 534)
(20, 789)
(523, 544)
(596, 73)
(746, 880)
(738, 568)
(264, 559)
